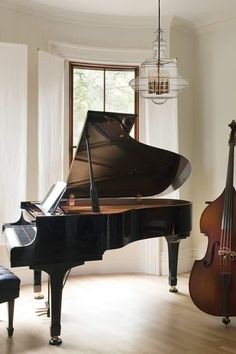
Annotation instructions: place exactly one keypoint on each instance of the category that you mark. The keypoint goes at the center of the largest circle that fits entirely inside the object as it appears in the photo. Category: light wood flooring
(118, 314)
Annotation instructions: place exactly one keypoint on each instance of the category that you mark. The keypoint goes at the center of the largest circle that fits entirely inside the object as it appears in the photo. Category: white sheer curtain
(50, 121)
(159, 128)
(161, 125)
(13, 127)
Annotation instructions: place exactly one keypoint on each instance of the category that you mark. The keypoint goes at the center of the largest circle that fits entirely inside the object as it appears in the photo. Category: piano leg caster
(226, 320)
(55, 341)
(10, 332)
(173, 289)
(39, 297)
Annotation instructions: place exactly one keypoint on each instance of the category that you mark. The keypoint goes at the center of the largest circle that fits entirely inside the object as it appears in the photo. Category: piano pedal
(37, 290)
(41, 311)
(48, 308)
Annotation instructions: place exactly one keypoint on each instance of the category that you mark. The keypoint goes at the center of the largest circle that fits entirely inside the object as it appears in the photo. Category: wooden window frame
(72, 66)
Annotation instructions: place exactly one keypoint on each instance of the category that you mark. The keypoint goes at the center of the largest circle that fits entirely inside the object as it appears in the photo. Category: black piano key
(25, 233)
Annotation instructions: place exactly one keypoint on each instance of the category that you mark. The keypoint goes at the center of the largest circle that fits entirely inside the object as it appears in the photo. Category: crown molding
(108, 21)
(183, 25)
(201, 29)
(73, 52)
(73, 17)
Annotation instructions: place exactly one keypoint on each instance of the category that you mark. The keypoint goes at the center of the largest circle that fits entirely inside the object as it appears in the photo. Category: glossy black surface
(122, 166)
(68, 240)
(84, 237)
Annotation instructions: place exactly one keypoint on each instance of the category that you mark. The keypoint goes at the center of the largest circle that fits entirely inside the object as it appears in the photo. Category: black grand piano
(104, 206)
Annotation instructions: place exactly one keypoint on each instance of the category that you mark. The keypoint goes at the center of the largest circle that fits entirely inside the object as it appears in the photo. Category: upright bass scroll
(212, 283)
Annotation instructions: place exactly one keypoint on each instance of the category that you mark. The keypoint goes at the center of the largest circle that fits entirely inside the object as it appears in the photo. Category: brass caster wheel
(55, 341)
(226, 320)
(10, 332)
(173, 289)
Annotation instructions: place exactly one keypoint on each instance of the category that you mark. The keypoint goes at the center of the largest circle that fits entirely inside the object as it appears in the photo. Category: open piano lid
(122, 166)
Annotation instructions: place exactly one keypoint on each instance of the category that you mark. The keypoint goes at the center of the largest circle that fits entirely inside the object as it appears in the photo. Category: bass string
(227, 220)
(225, 240)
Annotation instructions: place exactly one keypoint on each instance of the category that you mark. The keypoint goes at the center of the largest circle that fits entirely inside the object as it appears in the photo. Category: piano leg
(173, 251)
(56, 280)
(57, 274)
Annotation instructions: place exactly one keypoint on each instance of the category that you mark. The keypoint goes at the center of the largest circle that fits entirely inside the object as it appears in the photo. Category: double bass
(212, 283)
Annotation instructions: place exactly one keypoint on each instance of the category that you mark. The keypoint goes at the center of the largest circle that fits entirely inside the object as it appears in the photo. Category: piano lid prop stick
(93, 189)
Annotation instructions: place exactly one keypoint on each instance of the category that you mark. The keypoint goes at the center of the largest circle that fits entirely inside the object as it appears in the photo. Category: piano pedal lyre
(37, 289)
(38, 285)
(41, 311)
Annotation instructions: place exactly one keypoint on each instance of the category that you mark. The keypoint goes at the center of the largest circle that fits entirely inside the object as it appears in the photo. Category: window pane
(87, 95)
(119, 95)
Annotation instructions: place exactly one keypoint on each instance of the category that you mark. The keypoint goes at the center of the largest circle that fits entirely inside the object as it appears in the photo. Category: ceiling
(198, 12)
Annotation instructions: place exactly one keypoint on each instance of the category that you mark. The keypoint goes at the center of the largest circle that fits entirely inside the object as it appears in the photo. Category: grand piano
(105, 205)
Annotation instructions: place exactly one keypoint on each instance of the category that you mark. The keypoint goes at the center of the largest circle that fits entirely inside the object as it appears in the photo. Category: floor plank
(119, 314)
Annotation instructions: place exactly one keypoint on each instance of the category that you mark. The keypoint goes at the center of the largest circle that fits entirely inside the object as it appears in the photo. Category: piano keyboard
(19, 235)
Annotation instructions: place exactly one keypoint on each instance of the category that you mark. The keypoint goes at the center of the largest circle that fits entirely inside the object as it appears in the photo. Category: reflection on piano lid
(122, 166)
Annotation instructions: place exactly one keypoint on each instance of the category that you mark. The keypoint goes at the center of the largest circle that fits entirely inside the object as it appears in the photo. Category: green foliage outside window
(101, 90)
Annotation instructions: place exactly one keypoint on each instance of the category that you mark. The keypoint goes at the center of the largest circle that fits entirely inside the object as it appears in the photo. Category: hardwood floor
(118, 314)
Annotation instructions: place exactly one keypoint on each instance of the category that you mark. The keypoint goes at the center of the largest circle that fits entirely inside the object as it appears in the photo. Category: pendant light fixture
(158, 79)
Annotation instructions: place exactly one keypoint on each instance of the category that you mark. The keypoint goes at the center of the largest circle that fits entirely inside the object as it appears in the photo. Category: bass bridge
(226, 253)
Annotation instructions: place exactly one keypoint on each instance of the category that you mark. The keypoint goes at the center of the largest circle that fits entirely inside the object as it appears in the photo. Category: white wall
(181, 47)
(214, 102)
(206, 58)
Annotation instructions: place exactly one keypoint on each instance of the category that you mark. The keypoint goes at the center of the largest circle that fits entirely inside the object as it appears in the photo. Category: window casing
(101, 88)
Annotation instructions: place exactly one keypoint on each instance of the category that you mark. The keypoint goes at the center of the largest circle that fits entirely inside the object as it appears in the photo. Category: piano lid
(122, 166)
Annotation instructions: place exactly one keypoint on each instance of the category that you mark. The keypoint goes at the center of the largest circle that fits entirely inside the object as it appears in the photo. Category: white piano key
(11, 237)
(14, 238)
